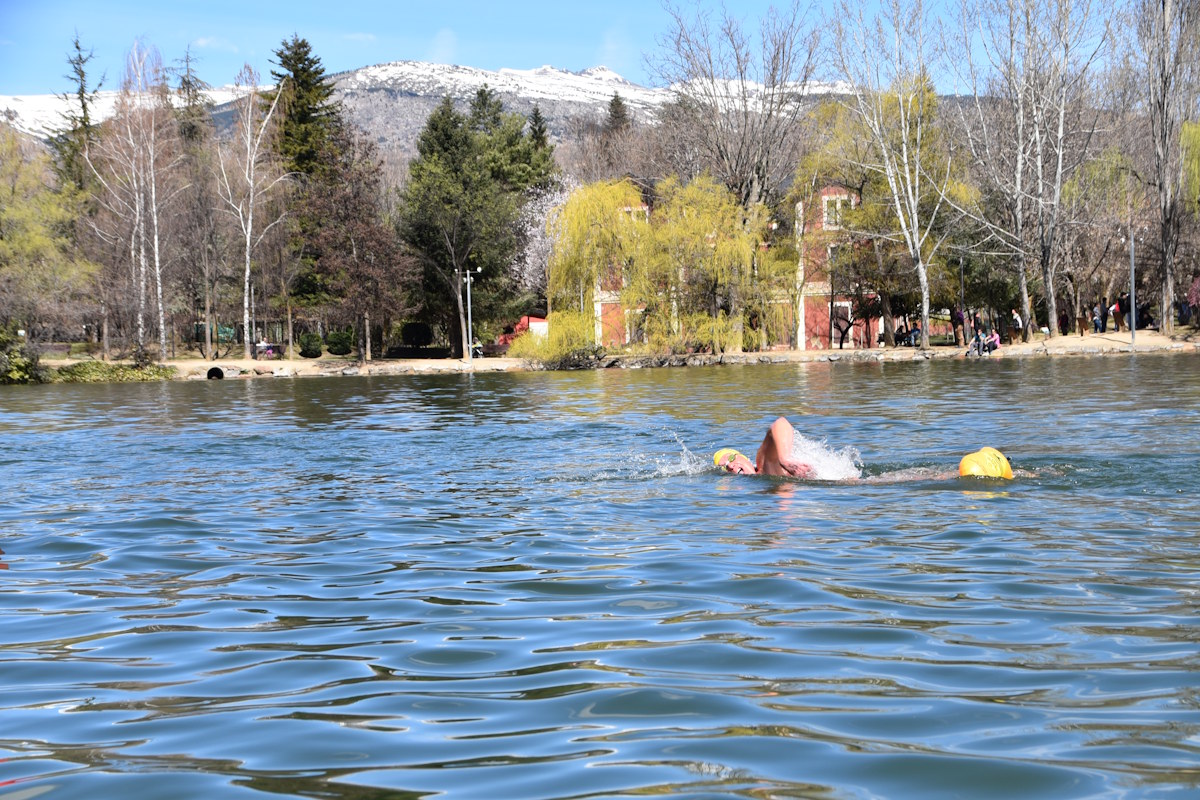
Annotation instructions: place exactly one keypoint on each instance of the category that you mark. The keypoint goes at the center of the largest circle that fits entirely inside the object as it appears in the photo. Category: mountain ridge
(391, 101)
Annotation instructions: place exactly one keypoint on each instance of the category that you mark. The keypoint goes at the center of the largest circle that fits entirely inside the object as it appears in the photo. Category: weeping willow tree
(690, 270)
(1190, 145)
(596, 235)
(693, 266)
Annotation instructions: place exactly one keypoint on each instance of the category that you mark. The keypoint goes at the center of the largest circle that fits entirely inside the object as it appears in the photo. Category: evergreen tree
(309, 112)
(460, 205)
(618, 120)
(72, 143)
(446, 135)
(198, 229)
(195, 108)
(538, 134)
(614, 134)
(359, 255)
(487, 110)
(310, 121)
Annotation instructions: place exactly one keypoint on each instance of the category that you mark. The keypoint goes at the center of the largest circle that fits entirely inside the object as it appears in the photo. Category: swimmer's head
(731, 460)
(987, 462)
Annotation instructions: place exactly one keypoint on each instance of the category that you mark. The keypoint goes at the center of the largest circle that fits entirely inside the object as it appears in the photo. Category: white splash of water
(828, 464)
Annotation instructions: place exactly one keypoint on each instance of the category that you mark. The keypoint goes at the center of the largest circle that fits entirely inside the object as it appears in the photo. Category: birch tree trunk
(247, 173)
(892, 97)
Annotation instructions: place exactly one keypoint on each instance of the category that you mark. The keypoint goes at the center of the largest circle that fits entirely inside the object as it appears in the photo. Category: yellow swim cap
(725, 454)
(987, 462)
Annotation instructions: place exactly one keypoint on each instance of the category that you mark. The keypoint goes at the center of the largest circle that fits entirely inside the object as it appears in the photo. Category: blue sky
(36, 35)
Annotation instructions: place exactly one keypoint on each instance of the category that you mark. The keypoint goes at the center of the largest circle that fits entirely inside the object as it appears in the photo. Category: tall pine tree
(460, 205)
(308, 126)
(538, 133)
(71, 144)
(309, 112)
(618, 120)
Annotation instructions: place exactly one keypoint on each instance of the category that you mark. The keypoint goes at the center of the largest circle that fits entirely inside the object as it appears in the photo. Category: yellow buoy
(987, 462)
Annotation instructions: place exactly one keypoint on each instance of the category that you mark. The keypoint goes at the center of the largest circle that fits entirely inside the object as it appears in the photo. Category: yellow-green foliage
(1190, 145)
(37, 263)
(1106, 187)
(698, 238)
(102, 372)
(700, 253)
(679, 271)
(599, 227)
(775, 279)
(690, 332)
(567, 331)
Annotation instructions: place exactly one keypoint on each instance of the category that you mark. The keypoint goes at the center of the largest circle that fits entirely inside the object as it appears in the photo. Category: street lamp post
(469, 279)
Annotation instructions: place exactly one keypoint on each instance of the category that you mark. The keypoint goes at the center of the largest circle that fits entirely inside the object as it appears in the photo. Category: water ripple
(400, 587)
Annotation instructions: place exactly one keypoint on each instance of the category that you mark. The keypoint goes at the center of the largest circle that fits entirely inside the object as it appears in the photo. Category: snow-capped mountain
(391, 101)
(40, 115)
(593, 87)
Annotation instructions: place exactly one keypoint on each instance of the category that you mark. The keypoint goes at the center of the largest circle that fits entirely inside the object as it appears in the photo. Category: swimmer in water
(776, 457)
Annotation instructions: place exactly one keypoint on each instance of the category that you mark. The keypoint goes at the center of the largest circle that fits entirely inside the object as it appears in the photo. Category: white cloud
(215, 43)
(359, 37)
(443, 47)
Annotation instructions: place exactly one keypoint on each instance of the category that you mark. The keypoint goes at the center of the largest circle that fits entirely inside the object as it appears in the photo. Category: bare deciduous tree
(1028, 123)
(891, 94)
(1169, 33)
(247, 173)
(135, 163)
(747, 90)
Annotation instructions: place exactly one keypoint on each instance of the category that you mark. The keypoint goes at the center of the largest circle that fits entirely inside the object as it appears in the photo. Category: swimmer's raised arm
(775, 454)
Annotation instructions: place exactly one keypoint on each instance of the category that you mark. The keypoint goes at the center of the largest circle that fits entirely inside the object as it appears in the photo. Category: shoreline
(1110, 343)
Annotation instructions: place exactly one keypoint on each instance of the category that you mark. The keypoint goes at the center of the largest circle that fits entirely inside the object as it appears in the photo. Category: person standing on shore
(1104, 315)
(1017, 327)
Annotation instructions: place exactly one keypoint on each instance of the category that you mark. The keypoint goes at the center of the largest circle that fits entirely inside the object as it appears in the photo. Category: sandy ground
(1092, 344)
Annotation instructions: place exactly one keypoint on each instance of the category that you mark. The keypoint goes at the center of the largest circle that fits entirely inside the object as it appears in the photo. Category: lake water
(536, 586)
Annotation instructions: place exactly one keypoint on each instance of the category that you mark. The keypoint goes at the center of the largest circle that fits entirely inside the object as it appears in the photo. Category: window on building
(832, 218)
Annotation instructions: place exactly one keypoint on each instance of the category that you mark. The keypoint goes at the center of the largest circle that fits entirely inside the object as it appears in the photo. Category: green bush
(340, 343)
(17, 363)
(310, 345)
(105, 372)
(569, 344)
